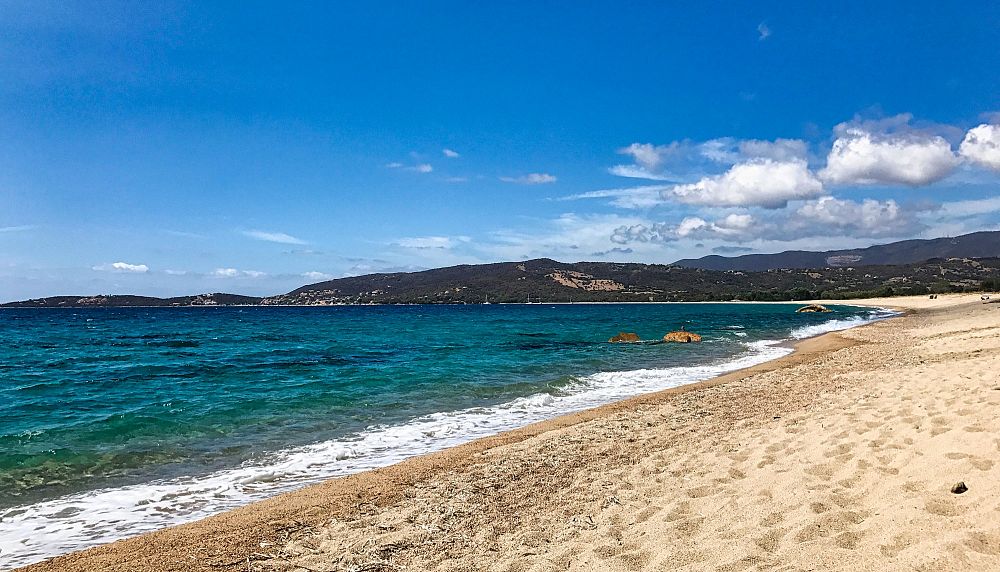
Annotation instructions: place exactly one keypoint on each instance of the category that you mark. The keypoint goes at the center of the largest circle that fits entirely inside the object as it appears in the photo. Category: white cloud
(456, 179)
(570, 236)
(122, 267)
(642, 197)
(823, 217)
(278, 237)
(20, 228)
(185, 234)
(862, 157)
(981, 145)
(759, 182)
(451, 154)
(779, 149)
(636, 172)
(313, 275)
(733, 225)
(868, 218)
(234, 273)
(393, 165)
(422, 168)
(683, 161)
(649, 156)
(169, 272)
(967, 208)
(431, 242)
(531, 179)
(763, 32)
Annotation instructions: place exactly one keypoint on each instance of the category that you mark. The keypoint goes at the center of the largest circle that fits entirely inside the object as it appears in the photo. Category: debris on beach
(812, 308)
(959, 488)
(625, 337)
(682, 337)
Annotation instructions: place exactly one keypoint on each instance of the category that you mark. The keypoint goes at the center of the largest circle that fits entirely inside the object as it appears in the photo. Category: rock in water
(682, 337)
(624, 337)
(813, 308)
(959, 488)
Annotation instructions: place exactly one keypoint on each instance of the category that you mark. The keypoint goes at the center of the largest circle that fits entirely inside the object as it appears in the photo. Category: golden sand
(841, 456)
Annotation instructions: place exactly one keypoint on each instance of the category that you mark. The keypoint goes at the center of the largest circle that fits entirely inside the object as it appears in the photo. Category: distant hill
(544, 280)
(976, 245)
(836, 274)
(125, 301)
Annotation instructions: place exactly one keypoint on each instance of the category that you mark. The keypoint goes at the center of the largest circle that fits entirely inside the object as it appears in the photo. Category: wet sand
(840, 456)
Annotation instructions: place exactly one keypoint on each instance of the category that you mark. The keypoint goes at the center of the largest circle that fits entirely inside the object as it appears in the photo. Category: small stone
(959, 488)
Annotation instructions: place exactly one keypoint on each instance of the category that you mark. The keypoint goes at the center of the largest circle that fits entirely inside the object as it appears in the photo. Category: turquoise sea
(119, 421)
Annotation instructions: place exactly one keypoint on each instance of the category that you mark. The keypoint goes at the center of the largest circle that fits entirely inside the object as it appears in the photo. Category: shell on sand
(682, 337)
(625, 337)
(813, 308)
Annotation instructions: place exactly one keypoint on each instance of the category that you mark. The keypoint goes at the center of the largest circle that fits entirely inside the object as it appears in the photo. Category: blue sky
(172, 148)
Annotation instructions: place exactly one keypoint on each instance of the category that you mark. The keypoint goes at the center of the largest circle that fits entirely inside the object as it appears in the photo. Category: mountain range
(964, 263)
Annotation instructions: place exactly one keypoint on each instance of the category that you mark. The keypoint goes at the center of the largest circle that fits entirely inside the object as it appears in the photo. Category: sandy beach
(841, 456)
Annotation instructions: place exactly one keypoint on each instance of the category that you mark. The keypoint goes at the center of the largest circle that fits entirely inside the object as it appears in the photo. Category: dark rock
(959, 488)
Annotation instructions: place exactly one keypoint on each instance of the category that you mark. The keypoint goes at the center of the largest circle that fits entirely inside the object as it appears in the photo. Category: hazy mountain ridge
(984, 244)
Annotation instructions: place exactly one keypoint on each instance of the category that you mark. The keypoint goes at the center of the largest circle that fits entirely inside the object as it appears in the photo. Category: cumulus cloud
(278, 237)
(451, 154)
(431, 242)
(862, 155)
(649, 156)
(823, 217)
(759, 182)
(868, 218)
(981, 145)
(531, 179)
(234, 273)
(730, 226)
(683, 161)
(122, 267)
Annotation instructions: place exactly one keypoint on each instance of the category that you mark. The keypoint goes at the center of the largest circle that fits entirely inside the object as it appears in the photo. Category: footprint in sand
(984, 543)
(769, 542)
(899, 543)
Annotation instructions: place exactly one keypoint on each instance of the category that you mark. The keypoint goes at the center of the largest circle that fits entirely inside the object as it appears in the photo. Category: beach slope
(842, 456)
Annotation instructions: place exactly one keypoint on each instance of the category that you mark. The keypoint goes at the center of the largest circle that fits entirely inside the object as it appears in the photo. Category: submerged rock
(682, 337)
(813, 308)
(624, 337)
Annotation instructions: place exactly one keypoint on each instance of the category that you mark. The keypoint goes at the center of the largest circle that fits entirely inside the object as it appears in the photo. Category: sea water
(117, 421)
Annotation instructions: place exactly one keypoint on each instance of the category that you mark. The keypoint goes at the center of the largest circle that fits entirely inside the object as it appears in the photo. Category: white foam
(34, 532)
(841, 324)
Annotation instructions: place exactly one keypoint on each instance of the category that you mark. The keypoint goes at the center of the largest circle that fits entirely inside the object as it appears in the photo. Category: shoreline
(239, 534)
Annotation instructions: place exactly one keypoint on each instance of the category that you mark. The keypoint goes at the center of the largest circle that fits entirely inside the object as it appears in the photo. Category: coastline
(249, 534)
